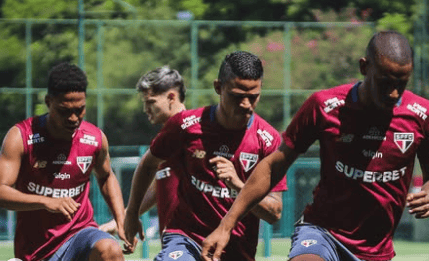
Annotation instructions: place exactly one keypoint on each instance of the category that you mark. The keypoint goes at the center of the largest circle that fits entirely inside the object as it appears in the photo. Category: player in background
(45, 167)
(163, 94)
(218, 147)
(369, 134)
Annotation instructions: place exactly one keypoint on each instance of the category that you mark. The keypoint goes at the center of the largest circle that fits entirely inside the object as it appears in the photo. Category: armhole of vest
(21, 131)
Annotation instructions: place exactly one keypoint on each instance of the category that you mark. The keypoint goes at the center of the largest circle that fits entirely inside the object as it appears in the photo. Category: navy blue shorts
(178, 247)
(310, 239)
(79, 246)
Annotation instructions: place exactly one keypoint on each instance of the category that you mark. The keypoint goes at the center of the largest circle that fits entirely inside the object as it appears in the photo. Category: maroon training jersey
(193, 137)
(57, 169)
(167, 181)
(367, 160)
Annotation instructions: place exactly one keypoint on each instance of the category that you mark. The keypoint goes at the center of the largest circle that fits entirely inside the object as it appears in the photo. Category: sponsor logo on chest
(418, 109)
(189, 121)
(403, 140)
(84, 163)
(266, 137)
(35, 138)
(61, 160)
(248, 160)
(163, 173)
(332, 104)
(374, 134)
(88, 139)
(223, 152)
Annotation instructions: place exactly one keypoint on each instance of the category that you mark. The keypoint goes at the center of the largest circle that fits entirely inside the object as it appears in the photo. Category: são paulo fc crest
(84, 163)
(248, 160)
(308, 242)
(403, 140)
(175, 255)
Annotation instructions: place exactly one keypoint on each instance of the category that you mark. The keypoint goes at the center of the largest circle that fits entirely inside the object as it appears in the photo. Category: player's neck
(227, 122)
(56, 134)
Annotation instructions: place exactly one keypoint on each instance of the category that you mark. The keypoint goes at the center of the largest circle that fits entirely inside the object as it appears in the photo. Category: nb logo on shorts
(308, 242)
(175, 255)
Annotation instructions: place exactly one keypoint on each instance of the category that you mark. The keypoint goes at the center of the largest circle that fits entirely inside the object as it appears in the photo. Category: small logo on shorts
(308, 242)
(175, 255)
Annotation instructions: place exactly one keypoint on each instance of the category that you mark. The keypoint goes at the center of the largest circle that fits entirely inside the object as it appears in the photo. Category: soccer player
(163, 93)
(45, 167)
(370, 133)
(218, 147)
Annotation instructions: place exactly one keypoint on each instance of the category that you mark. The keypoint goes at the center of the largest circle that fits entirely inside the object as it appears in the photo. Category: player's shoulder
(410, 97)
(189, 118)
(264, 129)
(339, 92)
(90, 131)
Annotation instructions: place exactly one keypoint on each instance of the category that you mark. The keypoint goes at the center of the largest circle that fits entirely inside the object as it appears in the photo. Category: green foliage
(397, 22)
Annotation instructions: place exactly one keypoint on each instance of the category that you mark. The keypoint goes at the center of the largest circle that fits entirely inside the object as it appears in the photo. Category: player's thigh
(106, 249)
(312, 243)
(178, 247)
(80, 246)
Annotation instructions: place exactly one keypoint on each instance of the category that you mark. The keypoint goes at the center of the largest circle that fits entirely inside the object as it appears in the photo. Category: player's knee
(106, 250)
(307, 257)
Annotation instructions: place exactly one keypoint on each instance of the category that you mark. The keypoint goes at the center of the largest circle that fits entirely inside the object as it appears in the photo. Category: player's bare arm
(269, 209)
(270, 170)
(418, 203)
(142, 178)
(110, 189)
(12, 199)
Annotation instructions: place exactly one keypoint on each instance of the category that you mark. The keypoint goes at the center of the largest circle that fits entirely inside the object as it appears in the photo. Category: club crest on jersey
(308, 242)
(84, 163)
(403, 140)
(175, 255)
(248, 160)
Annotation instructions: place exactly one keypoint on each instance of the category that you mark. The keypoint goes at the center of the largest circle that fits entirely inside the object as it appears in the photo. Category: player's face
(157, 107)
(238, 99)
(66, 112)
(386, 82)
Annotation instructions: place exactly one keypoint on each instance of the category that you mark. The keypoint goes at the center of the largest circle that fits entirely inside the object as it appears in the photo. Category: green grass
(406, 251)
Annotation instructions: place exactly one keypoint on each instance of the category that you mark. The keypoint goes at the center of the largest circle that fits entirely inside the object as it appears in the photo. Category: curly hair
(240, 64)
(66, 77)
(161, 80)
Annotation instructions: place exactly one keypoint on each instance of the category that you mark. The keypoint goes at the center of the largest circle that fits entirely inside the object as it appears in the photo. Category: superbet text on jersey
(57, 169)
(193, 137)
(367, 163)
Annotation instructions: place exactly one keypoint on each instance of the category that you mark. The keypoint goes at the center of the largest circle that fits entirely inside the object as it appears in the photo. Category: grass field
(406, 251)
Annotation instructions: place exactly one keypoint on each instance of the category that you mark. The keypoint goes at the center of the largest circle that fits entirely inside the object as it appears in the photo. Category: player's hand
(129, 246)
(66, 206)
(213, 245)
(132, 226)
(224, 169)
(109, 227)
(418, 204)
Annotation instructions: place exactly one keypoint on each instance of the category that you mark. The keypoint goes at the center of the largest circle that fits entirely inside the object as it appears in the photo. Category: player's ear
(363, 66)
(217, 86)
(48, 100)
(171, 96)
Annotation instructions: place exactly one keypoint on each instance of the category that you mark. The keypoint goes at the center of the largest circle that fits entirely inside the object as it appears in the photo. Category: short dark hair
(391, 45)
(66, 77)
(240, 64)
(161, 80)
